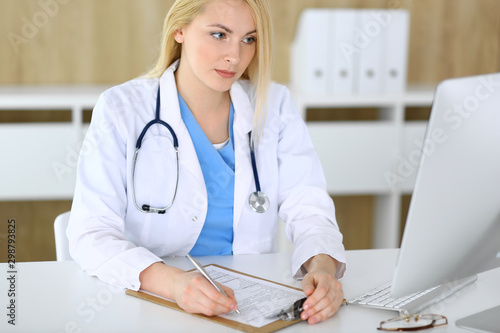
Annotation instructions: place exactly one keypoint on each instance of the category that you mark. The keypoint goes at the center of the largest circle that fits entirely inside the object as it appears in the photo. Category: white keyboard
(380, 297)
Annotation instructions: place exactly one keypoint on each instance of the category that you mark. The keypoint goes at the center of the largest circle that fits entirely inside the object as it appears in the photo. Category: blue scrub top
(217, 166)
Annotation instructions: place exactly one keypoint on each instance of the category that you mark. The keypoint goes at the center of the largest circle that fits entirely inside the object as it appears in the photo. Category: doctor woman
(202, 156)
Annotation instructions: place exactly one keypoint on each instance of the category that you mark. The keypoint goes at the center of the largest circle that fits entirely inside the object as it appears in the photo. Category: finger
(215, 303)
(329, 291)
(228, 301)
(308, 285)
(324, 302)
(200, 296)
(320, 307)
(313, 308)
(318, 289)
(324, 309)
(326, 312)
(209, 307)
(230, 293)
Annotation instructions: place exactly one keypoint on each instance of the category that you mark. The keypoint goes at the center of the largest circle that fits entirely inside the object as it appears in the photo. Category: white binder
(309, 58)
(369, 38)
(350, 51)
(341, 51)
(396, 52)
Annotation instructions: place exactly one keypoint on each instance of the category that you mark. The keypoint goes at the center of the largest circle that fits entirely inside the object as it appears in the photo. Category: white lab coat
(110, 238)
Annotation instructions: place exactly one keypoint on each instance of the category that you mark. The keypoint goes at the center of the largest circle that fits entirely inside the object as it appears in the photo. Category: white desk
(53, 296)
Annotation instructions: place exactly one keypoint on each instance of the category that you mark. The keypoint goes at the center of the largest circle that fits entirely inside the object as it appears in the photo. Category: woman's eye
(249, 40)
(218, 35)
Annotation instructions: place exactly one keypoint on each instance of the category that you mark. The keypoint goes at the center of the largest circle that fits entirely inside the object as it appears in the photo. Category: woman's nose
(232, 53)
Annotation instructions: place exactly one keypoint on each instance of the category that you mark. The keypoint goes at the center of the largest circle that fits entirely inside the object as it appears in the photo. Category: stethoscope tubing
(254, 164)
(148, 208)
(257, 200)
(157, 120)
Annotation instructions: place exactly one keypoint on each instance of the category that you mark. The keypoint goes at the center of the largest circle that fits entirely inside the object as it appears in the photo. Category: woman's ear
(179, 36)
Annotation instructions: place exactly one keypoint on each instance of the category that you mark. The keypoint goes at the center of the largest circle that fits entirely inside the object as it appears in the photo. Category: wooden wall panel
(34, 222)
(84, 41)
(354, 216)
(453, 39)
(92, 41)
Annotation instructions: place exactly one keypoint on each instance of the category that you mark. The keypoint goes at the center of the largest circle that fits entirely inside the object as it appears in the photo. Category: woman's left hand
(324, 293)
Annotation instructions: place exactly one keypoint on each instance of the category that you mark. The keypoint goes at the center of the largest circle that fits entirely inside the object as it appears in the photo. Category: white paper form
(256, 298)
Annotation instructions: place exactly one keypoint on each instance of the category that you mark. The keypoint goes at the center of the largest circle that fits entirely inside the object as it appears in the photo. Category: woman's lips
(225, 74)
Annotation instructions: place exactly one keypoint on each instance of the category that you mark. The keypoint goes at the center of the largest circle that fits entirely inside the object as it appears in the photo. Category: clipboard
(271, 327)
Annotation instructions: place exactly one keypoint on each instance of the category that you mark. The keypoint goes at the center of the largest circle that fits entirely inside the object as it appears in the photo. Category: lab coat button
(195, 218)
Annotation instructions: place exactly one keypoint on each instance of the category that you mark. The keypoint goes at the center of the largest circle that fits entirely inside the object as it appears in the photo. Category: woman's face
(217, 46)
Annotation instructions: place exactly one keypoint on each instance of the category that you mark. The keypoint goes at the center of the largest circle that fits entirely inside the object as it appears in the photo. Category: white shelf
(370, 157)
(49, 97)
(41, 157)
(415, 96)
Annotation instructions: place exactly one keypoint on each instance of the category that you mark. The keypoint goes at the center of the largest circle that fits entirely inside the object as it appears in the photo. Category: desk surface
(60, 297)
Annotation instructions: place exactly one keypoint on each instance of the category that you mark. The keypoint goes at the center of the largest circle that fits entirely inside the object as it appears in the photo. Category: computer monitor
(453, 224)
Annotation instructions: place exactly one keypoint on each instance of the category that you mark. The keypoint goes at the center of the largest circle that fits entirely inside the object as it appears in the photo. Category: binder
(394, 75)
(309, 59)
(369, 38)
(341, 52)
(350, 51)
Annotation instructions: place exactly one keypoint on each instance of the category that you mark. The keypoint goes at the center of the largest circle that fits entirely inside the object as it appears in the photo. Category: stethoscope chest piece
(259, 202)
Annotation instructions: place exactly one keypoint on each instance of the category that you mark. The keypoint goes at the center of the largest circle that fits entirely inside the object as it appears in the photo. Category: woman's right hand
(195, 294)
(192, 292)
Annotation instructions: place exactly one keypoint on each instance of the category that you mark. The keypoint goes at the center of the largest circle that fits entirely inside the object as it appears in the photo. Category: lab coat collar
(243, 120)
(170, 112)
(243, 110)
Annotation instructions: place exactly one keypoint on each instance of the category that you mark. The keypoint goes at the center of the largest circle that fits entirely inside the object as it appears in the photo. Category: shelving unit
(376, 157)
(40, 158)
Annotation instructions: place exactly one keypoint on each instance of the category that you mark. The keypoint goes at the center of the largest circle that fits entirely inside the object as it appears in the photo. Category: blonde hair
(183, 12)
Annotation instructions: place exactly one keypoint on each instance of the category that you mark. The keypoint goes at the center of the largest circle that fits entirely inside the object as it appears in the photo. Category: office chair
(61, 240)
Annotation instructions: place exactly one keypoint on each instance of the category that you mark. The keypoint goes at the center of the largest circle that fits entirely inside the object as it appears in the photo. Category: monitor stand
(485, 321)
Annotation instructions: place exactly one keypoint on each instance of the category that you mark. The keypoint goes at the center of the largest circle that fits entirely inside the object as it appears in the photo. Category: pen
(203, 272)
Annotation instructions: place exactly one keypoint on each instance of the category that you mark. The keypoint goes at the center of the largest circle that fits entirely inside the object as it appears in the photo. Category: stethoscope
(258, 200)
